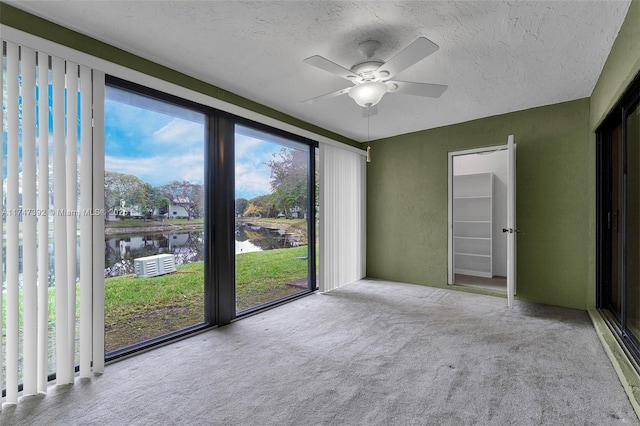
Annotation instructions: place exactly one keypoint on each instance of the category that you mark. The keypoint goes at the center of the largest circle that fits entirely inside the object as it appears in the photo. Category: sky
(160, 144)
(252, 173)
(160, 147)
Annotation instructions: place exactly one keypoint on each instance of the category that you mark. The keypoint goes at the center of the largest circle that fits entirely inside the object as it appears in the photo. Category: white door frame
(511, 228)
(452, 154)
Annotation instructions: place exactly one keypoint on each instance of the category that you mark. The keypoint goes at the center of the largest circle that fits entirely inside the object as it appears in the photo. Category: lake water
(186, 246)
(121, 250)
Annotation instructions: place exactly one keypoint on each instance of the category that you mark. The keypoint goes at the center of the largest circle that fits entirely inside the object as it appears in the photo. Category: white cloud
(251, 181)
(160, 170)
(251, 171)
(180, 131)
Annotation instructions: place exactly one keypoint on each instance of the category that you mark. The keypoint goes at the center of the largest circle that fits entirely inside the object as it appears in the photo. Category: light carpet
(370, 353)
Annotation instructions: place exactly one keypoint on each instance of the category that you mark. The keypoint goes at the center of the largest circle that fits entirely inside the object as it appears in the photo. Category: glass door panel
(615, 220)
(154, 197)
(272, 177)
(632, 229)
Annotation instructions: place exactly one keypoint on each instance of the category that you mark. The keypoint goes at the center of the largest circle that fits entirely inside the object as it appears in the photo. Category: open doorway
(478, 188)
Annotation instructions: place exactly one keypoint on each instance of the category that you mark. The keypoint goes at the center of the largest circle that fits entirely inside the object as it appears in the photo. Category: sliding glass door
(274, 193)
(619, 219)
(177, 173)
(155, 223)
(632, 228)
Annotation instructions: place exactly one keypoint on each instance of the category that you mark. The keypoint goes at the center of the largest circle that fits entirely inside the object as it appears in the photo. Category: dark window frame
(311, 200)
(219, 284)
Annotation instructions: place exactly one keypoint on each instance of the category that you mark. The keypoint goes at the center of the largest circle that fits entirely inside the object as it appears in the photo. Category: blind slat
(29, 236)
(98, 225)
(2, 197)
(60, 224)
(43, 221)
(86, 204)
(12, 242)
(71, 192)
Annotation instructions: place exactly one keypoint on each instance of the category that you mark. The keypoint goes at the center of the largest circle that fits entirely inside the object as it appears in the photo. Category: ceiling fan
(372, 78)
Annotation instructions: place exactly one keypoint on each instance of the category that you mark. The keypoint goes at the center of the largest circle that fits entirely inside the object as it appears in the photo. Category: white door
(511, 230)
(477, 214)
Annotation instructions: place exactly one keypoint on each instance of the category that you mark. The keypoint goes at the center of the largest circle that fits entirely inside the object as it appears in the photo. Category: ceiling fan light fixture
(368, 94)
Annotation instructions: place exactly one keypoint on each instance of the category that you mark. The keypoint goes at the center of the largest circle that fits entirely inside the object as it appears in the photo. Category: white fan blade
(417, 89)
(326, 65)
(369, 111)
(416, 51)
(326, 96)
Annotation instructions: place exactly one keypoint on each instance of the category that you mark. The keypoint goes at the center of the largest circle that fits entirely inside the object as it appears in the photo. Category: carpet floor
(370, 353)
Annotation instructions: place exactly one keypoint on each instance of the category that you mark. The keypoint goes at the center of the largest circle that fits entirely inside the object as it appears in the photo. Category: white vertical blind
(49, 101)
(29, 236)
(63, 373)
(342, 216)
(43, 220)
(86, 203)
(97, 313)
(12, 243)
(71, 180)
(2, 127)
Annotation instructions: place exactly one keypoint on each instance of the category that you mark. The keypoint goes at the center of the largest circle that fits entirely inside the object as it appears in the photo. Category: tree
(241, 206)
(153, 200)
(262, 205)
(123, 187)
(186, 194)
(289, 180)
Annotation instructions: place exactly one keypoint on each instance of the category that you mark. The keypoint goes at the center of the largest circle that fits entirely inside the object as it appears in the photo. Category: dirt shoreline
(173, 227)
(277, 225)
(150, 229)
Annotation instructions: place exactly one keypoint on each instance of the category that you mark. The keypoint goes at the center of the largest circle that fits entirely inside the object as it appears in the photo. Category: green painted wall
(407, 201)
(622, 65)
(26, 22)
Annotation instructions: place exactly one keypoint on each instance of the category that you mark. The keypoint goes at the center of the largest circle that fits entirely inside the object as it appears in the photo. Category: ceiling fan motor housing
(365, 70)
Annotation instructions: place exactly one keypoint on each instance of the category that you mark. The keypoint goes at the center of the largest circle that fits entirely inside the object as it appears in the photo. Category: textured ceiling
(495, 56)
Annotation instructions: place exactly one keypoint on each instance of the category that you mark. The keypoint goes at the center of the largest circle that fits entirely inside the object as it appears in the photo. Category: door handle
(510, 230)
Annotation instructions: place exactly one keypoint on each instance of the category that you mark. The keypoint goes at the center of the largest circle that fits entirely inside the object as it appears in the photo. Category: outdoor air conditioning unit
(152, 266)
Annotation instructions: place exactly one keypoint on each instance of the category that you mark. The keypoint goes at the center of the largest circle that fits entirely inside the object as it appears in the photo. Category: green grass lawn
(263, 276)
(138, 309)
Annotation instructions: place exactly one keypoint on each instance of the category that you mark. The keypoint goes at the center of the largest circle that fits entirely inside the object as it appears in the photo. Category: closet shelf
(472, 221)
(472, 224)
(472, 254)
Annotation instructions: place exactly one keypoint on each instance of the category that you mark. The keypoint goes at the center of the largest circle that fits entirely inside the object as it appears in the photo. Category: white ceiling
(495, 56)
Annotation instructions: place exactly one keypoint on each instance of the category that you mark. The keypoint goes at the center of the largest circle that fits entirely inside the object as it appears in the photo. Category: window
(168, 182)
(275, 209)
(177, 173)
(155, 235)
